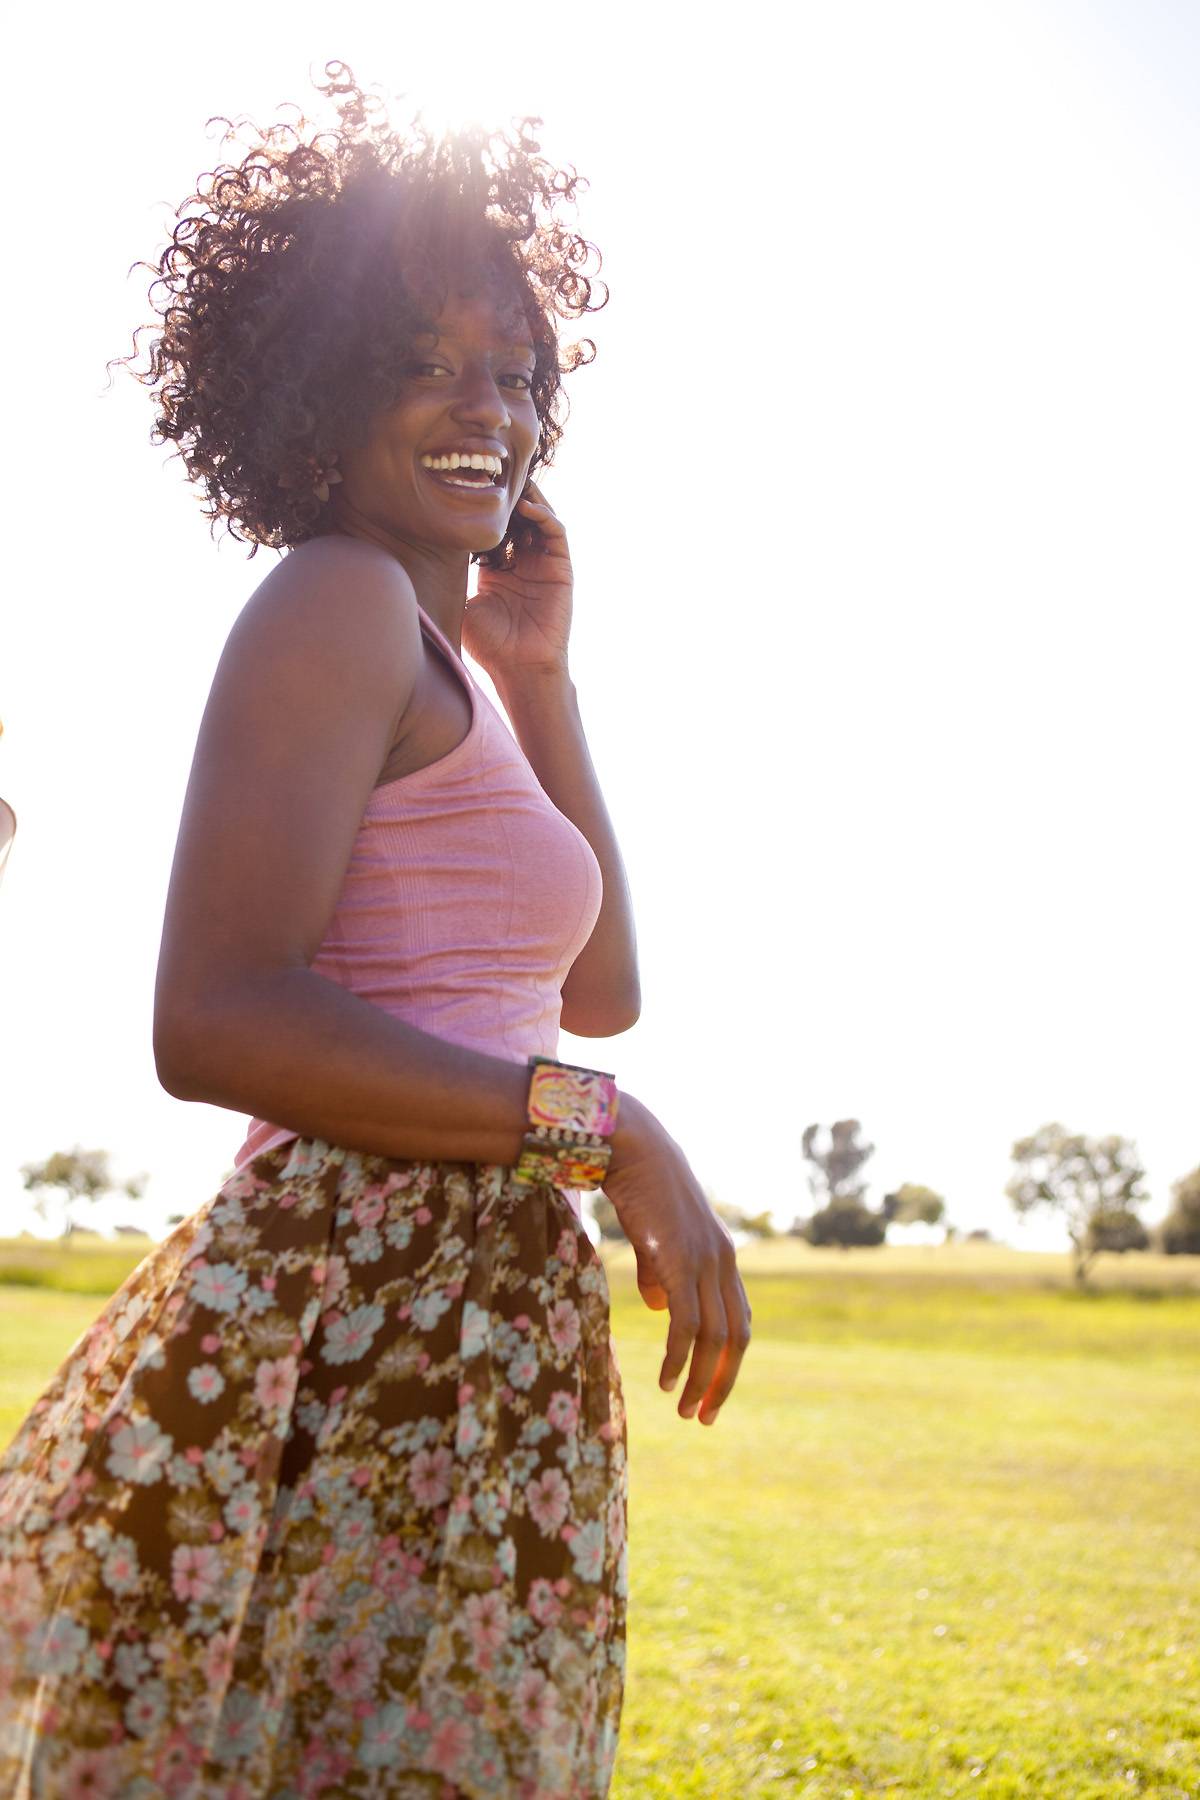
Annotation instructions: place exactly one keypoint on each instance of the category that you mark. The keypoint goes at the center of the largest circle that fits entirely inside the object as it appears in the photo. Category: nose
(480, 401)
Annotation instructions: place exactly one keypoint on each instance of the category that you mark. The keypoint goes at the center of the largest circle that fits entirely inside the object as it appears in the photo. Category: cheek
(383, 461)
(528, 447)
(393, 435)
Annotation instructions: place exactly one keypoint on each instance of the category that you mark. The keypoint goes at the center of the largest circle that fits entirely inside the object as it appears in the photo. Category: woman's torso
(467, 895)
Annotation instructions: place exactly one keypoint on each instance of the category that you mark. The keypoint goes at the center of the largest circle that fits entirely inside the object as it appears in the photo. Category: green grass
(86, 1264)
(943, 1539)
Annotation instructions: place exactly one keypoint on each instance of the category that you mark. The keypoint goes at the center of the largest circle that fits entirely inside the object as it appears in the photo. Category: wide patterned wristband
(572, 1113)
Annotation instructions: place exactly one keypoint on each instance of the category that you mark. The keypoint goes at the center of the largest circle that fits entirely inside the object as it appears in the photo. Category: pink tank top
(467, 897)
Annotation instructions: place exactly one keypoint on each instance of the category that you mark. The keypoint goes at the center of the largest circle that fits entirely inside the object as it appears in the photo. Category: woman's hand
(520, 619)
(685, 1260)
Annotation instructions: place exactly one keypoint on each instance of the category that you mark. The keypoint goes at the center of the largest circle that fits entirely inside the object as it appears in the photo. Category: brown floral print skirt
(330, 1500)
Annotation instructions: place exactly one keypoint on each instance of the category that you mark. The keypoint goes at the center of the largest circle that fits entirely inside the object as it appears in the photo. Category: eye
(524, 381)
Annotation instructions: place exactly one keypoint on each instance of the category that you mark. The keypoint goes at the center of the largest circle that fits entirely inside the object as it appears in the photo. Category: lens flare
(465, 107)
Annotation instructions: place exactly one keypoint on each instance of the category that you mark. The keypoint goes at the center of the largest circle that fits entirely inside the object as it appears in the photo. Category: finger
(548, 521)
(737, 1314)
(534, 493)
(681, 1334)
(649, 1286)
(710, 1343)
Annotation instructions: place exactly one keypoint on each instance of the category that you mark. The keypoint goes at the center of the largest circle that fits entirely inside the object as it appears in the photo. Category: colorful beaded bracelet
(572, 1113)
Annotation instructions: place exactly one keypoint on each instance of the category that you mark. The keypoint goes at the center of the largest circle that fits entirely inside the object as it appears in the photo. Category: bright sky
(882, 499)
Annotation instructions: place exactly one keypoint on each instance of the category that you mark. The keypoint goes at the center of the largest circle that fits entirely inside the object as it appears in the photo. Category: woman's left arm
(517, 627)
(602, 993)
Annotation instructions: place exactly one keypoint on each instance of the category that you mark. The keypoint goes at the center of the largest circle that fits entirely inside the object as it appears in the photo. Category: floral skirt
(330, 1500)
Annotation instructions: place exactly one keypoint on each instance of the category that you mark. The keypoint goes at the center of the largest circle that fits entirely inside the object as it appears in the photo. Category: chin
(491, 541)
(471, 541)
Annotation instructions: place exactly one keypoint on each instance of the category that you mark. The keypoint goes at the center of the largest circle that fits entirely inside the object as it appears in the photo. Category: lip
(491, 490)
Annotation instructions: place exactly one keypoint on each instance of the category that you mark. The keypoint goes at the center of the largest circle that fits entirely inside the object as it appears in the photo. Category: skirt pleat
(330, 1499)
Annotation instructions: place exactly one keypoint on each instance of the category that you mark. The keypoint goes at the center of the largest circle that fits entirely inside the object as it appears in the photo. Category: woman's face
(467, 390)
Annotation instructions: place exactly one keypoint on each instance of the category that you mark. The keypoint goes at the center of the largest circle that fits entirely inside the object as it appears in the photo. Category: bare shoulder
(332, 630)
(335, 587)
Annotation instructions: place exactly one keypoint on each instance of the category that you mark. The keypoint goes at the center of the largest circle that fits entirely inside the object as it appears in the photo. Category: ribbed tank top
(466, 899)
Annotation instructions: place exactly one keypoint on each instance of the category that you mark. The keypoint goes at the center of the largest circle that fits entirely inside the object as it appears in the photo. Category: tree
(1179, 1233)
(912, 1204)
(846, 1221)
(760, 1225)
(842, 1215)
(1117, 1229)
(754, 1224)
(75, 1175)
(834, 1171)
(1096, 1184)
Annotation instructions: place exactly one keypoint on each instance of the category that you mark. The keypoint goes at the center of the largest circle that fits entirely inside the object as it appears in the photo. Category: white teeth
(468, 459)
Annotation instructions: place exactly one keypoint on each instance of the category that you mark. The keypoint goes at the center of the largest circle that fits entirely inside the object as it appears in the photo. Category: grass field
(944, 1539)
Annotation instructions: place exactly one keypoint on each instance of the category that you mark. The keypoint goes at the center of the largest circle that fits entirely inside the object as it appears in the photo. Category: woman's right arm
(305, 704)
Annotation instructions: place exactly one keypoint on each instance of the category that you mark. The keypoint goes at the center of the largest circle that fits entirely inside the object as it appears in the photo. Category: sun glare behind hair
(473, 102)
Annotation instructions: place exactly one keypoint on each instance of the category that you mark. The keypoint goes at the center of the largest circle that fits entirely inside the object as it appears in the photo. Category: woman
(331, 1498)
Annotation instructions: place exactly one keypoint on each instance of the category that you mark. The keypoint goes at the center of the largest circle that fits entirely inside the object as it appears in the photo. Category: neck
(438, 575)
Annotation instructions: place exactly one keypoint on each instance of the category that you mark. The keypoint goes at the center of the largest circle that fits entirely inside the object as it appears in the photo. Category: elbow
(172, 1063)
(183, 1043)
(601, 1026)
(628, 1018)
(212, 1042)
(607, 1016)
(631, 1010)
(175, 1079)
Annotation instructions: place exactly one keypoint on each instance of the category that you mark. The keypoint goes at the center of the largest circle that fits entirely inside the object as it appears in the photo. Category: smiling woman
(456, 448)
(302, 286)
(331, 1499)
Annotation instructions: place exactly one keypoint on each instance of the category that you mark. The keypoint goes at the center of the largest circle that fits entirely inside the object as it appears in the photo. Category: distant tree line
(1096, 1186)
(69, 1176)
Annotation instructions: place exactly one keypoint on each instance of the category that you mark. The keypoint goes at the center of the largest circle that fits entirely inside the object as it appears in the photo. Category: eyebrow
(511, 348)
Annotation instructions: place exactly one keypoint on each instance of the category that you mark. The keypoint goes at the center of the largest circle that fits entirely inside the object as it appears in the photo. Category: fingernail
(688, 1412)
(671, 1383)
(710, 1420)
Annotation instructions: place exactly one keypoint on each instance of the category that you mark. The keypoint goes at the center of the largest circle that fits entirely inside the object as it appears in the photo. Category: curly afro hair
(296, 282)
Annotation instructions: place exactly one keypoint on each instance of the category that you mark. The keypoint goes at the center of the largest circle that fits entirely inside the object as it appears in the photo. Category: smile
(466, 481)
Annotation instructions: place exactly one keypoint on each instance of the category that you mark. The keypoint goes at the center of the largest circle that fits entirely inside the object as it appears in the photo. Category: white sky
(882, 500)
